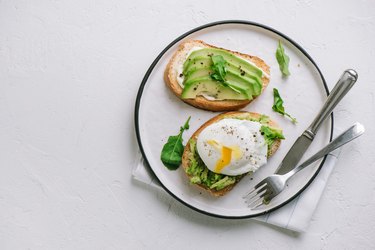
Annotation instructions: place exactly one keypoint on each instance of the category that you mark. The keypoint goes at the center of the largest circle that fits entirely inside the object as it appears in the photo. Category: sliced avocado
(246, 74)
(252, 86)
(247, 85)
(229, 57)
(197, 73)
(242, 79)
(206, 62)
(233, 80)
(206, 85)
(255, 86)
(196, 62)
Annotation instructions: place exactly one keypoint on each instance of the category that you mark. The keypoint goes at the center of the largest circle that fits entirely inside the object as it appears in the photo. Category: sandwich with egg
(215, 79)
(227, 147)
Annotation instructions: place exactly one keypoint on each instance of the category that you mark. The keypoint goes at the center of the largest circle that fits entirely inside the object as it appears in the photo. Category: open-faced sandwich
(227, 147)
(215, 79)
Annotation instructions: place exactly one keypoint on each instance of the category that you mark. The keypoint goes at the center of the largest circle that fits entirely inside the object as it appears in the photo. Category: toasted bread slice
(178, 59)
(234, 114)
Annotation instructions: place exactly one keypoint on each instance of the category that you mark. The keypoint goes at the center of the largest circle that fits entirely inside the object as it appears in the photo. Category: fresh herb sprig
(271, 134)
(219, 68)
(220, 71)
(283, 60)
(278, 105)
(171, 154)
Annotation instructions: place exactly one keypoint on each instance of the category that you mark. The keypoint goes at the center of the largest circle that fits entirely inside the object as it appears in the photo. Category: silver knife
(295, 153)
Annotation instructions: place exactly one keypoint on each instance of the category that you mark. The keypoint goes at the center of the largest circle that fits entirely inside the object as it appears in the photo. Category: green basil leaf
(283, 60)
(218, 68)
(278, 105)
(219, 71)
(271, 134)
(171, 154)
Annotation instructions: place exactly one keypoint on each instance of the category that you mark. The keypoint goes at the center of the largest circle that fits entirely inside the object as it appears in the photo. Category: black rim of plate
(157, 59)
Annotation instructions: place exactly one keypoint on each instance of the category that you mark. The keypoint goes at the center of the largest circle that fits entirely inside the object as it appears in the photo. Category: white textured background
(69, 73)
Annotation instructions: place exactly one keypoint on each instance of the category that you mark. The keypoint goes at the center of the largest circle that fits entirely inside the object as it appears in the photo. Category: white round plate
(159, 114)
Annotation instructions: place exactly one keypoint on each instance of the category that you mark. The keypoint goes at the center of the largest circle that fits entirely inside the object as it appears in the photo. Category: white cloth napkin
(295, 216)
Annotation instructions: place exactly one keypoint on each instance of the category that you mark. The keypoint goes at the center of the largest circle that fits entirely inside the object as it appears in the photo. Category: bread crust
(233, 114)
(170, 78)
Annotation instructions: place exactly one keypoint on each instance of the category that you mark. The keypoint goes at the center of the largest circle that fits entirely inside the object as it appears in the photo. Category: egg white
(243, 136)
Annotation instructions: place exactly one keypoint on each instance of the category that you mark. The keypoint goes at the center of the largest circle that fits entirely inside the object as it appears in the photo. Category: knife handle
(345, 83)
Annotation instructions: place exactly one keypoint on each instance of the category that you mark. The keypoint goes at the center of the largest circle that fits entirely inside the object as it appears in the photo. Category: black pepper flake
(181, 75)
(247, 149)
(201, 63)
(262, 133)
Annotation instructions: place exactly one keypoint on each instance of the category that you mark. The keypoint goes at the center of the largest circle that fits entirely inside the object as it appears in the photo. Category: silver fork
(271, 186)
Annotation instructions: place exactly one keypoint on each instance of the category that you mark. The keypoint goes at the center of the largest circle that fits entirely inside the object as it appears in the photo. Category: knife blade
(295, 153)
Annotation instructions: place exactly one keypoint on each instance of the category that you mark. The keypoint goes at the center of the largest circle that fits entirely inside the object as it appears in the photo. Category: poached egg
(232, 146)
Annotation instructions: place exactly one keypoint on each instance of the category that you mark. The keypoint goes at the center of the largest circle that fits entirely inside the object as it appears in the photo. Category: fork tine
(262, 202)
(261, 183)
(255, 197)
(257, 193)
(258, 205)
(256, 187)
(248, 193)
(261, 196)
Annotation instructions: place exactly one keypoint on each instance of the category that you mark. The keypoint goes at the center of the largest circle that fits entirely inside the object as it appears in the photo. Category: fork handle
(350, 134)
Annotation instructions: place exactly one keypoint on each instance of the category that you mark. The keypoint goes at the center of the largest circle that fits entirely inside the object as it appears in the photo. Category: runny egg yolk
(226, 154)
